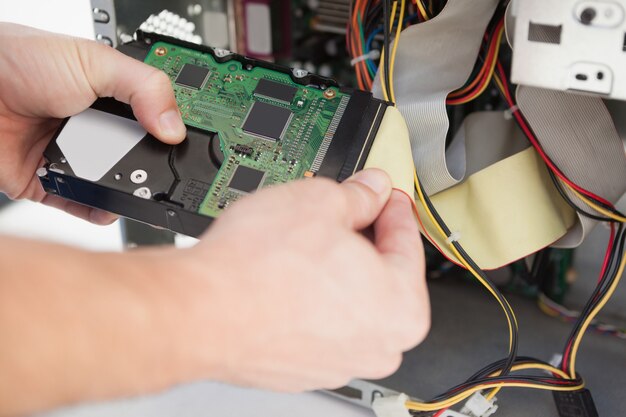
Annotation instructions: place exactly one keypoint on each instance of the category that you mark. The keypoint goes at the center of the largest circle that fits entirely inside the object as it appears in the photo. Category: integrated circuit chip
(246, 179)
(276, 91)
(193, 76)
(267, 121)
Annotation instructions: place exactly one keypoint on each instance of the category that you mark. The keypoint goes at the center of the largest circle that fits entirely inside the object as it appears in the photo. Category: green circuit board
(271, 129)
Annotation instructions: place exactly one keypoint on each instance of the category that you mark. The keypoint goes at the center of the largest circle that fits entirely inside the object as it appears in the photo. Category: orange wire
(479, 77)
(354, 42)
(363, 64)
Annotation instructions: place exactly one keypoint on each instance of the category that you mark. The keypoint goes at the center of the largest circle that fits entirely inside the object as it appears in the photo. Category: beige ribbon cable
(497, 197)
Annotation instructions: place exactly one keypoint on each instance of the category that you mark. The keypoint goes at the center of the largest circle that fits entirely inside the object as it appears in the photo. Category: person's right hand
(297, 298)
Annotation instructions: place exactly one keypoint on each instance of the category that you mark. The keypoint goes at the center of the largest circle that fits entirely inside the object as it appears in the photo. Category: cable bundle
(372, 20)
(505, 372)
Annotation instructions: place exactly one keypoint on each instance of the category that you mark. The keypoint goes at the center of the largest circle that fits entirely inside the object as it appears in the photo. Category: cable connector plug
(575, 403)
(479, 406)
(392, 406)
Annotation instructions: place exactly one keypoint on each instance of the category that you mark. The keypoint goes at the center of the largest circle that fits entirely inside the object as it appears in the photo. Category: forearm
(78, 326)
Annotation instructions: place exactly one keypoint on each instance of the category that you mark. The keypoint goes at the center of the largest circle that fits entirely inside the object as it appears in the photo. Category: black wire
(571, 203)
(506, 368)
(601, 289)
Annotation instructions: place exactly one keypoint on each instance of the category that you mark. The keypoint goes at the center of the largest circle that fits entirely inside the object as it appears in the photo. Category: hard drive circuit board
(271, 129)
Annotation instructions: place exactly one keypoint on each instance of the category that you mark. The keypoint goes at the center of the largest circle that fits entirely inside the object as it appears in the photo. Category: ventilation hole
(624, 44)
(600, 75)
(545, 33)
(581, 77)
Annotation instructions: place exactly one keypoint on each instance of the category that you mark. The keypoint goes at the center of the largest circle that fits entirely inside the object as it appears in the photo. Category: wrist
(189, 313)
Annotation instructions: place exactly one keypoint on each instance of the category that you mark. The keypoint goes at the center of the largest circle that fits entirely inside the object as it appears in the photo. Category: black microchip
(244, 150)
(192, 76)
(267, 120)
(276, 91)
(246, 179)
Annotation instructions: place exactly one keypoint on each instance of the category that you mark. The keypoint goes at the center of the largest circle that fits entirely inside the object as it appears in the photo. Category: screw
(221, 53)
(160, 51)
(588, 15)
(300, 73)
(139, 176)
(143, 192)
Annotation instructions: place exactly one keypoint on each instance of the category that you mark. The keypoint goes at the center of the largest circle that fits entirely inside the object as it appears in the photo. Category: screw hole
(600, 76)
(588, 15)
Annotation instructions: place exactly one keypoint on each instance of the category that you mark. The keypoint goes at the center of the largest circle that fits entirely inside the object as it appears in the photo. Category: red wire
(533, 140)
(609, 249)
(440, 413)
(485, 78)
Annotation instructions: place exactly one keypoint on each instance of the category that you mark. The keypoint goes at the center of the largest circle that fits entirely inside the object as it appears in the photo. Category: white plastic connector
(392, 406)
(454, 237)
(479, 406)
(556, 359)
(373, 55)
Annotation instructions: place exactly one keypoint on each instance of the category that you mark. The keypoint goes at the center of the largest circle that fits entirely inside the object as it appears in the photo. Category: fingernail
(375, 179)
(101, 217)
(171, 125)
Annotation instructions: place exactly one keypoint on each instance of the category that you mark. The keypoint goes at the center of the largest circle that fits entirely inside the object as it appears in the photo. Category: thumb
(148, 90)
(367, 193)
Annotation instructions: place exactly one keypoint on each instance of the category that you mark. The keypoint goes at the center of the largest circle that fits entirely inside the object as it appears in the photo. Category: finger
(397, 236)
(92, 215)
(148, 90)
(366, 194)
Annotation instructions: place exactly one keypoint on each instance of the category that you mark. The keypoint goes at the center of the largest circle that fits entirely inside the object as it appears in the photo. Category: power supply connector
(575, 403)
(392, 406)
(479, 406)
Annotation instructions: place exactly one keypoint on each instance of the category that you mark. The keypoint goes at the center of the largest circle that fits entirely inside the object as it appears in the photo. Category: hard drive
(251, 124)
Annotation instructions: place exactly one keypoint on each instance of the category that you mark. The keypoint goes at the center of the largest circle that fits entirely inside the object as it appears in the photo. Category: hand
(45, 78)
(293, 297)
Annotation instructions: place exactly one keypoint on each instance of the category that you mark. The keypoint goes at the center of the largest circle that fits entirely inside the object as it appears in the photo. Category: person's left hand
(45, 78)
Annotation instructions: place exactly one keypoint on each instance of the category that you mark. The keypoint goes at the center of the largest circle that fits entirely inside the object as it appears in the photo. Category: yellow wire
(591, 316)
(503, 302)
(420, 6)
(594, 206)
(463, 261)
(419, 406)
(381, 65)
(395, 50)
(499, 83)
(492, 70)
